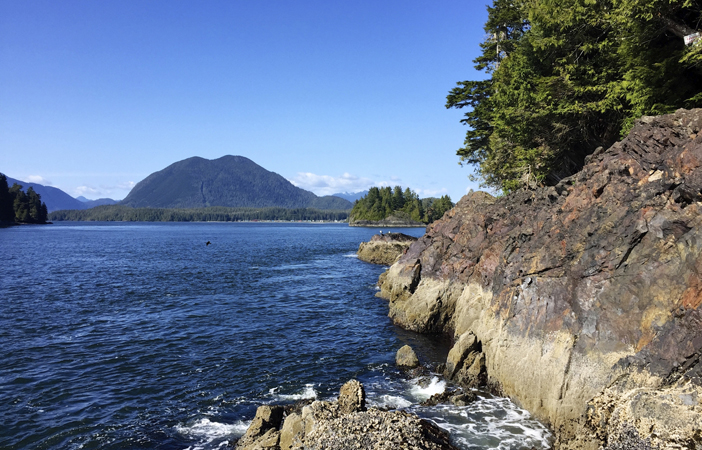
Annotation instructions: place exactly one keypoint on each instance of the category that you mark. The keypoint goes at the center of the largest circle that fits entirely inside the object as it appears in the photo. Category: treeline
(17, 206)
(380, 203)
(121, 213)
(567, 77)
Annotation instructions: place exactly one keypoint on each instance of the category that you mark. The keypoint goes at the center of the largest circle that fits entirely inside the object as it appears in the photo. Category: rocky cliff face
(584, 298)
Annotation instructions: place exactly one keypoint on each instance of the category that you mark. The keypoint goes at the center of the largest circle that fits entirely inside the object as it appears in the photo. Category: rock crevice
(584, 296)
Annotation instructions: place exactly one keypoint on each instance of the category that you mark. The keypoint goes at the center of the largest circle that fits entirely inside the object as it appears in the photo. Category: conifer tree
(567, 77)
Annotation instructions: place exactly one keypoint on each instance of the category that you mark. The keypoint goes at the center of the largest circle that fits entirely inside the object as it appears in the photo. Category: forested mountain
(54, 198)
(381, 203)
(17, 206)
(232, 181)
(567, 77)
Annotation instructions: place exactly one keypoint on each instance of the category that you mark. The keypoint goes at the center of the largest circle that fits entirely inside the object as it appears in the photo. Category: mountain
(54, 198)
(352, 196)
(233, 181)
(99, 202)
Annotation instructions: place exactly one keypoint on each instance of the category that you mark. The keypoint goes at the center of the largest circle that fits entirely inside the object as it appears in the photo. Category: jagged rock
(263, 431)
(456, 396)
(378, 430)
(582, 294)
(344, 424)
(384, 248)
(352, 397)
(406, 358)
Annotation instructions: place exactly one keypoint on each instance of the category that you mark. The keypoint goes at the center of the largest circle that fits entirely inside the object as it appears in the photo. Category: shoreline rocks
(384, 248)
(396, 220)
(340, 425)
(584, 297)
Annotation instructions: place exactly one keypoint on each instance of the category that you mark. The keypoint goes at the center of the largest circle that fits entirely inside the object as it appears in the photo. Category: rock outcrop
(341, 425)
(583, 299)
(398, 219)
(406, 358)
(384, 248)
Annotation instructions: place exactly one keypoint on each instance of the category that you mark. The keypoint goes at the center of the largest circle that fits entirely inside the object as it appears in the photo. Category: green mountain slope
(232, 181)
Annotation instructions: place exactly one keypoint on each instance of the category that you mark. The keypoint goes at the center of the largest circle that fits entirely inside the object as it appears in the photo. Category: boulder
(406, 358)
(341, 425)
(384, 248)
(585, 296)
(352, 397)
(263, 431)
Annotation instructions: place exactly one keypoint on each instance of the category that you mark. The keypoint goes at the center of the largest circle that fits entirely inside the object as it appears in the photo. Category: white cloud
(38, 179)
(86, 191)
(128, 185)
(423, 193)
(327, 185)
(119, 190)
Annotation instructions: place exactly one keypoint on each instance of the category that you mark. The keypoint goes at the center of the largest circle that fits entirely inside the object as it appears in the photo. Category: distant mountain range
(56, 199)
(231, 181)
(352, 196)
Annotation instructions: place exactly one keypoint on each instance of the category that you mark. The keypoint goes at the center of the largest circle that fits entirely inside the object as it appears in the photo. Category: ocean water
(138, 335)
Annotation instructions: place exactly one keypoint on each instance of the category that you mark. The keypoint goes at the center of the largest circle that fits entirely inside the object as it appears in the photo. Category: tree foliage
(382, 202)
(121, 213)
(18, 206)
(565, 77)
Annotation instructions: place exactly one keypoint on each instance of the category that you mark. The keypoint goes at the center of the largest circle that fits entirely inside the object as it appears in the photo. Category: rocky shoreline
(384, 248)
(338, 425)
(581, 301)
(397, 220)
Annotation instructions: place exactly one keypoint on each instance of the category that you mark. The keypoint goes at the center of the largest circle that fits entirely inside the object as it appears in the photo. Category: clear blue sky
(333, 95)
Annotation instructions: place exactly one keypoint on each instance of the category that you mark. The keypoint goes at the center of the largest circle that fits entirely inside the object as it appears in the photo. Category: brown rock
(352, 397)
(384, 248)
(581, 294)
(263, 431)
(406, 358)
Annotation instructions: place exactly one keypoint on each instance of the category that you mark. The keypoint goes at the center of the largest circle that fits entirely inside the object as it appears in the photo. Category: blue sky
(333, 95)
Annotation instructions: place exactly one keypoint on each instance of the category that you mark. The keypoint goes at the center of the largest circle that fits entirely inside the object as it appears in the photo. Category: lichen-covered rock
(581, 294)
(406, 358)
(378, 430)
(344, 424)
(352, 397)
(384, 248)
(263, 431)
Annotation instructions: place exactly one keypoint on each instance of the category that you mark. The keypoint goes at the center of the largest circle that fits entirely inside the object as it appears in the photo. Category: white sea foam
(351, 255)
(390, 402)
(206, 432)
(307, 392)
(422, 391)
(494, 423)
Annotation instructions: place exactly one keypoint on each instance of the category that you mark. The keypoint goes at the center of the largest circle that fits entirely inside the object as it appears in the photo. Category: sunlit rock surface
(584, 298)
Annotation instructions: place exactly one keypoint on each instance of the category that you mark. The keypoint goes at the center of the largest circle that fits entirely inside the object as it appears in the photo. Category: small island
(393, 207)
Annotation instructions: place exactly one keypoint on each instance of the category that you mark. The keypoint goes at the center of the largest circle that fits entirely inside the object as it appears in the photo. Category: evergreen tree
(7, 213)
(567, 77)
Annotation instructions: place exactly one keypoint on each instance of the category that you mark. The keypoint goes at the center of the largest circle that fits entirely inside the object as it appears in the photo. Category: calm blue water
(138, 335)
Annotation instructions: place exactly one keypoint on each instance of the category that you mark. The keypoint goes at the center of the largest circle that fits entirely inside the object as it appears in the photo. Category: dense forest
(564, 78)
(17, 206)
(121, 213)
(380, 203)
